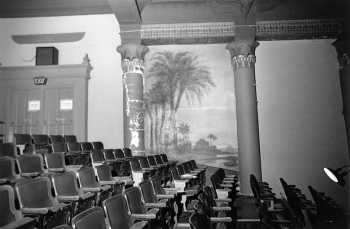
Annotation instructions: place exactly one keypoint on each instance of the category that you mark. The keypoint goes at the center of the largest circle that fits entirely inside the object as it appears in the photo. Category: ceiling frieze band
(220, 32)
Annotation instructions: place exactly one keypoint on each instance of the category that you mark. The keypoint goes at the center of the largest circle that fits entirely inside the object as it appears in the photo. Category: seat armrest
(226, 200)
(144, 216)
(68, 198)
(155, 205)
(165, 196)
(86, 195)
(33, 174)
(222, 208)
(188, 176)
(56, 170)
(139, 225)
(228, 181)
(108, 182)
(105, 187)
(170, 189)
(35, 211)
(3, 180)
(281, 221)
(256, 220)
(220, 219)
(91, 189)
(225, 185)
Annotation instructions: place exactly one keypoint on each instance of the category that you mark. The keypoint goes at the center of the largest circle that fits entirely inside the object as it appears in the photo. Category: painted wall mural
(190, 104)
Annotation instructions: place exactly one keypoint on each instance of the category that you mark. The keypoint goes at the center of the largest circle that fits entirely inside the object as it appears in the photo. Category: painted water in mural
(190, 104)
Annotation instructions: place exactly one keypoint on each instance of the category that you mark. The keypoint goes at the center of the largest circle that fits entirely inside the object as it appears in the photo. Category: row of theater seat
(68, 191)
(294, 210)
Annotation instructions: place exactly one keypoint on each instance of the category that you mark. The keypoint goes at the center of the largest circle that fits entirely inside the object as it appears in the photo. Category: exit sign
(40, 80)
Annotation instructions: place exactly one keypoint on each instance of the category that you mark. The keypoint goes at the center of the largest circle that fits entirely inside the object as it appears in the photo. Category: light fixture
(337, 175)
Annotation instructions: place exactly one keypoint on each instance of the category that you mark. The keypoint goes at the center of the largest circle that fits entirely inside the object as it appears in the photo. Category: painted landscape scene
(190, 104)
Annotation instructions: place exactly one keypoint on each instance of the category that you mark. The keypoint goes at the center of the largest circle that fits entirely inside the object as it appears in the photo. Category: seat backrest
(127, 152)
(31, 163)
(87, 178)
(56, 139)
(119, 154)
(8, 211)
(7, 168)
(104, 173)
(40, 139)
(70, 138)
(8, 149)
(135, 165)
(165, 158)
(23, 139)
(58, 147)
(74, 147)
(122, 168)
(143, 162)
(109, 154)
(97, 156)
(65, 184)
(86, 146)
(174, 173)
(151, 160)
(135, 203)
(35, 193)
(254, 185)
(148, 192)
(93, 218)
(157, 186)
(180, 169)
(55, 161)
(158, 159)
(117, 212)
(98, 145)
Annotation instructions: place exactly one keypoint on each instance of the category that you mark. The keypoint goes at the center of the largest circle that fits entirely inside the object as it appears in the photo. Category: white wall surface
(105, 116)
(300, 114)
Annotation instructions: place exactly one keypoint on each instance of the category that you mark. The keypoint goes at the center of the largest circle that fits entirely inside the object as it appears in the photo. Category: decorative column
(243, 62)
(133, 69)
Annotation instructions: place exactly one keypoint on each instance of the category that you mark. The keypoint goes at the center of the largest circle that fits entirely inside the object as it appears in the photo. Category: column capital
(132, 51)
(242, 53)
(343, 52)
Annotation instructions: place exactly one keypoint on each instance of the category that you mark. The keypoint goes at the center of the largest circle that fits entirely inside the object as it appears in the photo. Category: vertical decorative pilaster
(133, 69)
(243, 63)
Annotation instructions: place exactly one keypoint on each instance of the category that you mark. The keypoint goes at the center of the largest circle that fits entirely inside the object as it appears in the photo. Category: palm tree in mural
(211, 138)
(179, 74)
(184, 130)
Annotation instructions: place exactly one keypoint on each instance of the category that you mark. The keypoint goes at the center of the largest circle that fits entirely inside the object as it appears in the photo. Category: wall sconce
(337, 175)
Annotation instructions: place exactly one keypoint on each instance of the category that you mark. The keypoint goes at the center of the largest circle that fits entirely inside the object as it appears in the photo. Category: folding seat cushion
(7, 170)
(104, 177)
(150, 197)
(24, 143)
(9, 216)
(8, 149)
(118, 215)
(31, 165)
(54, 139)
(98, 145)
(70, 138)
(55, 162)
(93, 218)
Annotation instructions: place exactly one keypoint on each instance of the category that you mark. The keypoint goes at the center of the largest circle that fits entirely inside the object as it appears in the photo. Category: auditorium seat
(56, 139)
(127, 152)
(8, 149)
(75, 155)
(70, 138)
(86, 147)
(119, 154)
(93, 218)
(137, 208)
(24, 143)
(31, 165)
(137, 173)
(7, 170)
(88, 183)
(36, 199)
(121, 171)
(118, 216)
(10, 217)
(97, 157)
(41, 143)
(59, 147)
(104, 177)
(55, 162)
(67, 191)
(109, 155)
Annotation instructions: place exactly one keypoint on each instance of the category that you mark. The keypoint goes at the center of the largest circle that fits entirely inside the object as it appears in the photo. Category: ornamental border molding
(217, 32)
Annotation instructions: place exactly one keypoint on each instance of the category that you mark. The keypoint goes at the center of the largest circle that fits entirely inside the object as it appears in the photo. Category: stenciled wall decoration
(190, 104)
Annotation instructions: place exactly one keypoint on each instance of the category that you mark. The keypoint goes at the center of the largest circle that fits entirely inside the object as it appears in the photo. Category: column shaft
(243, 61)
